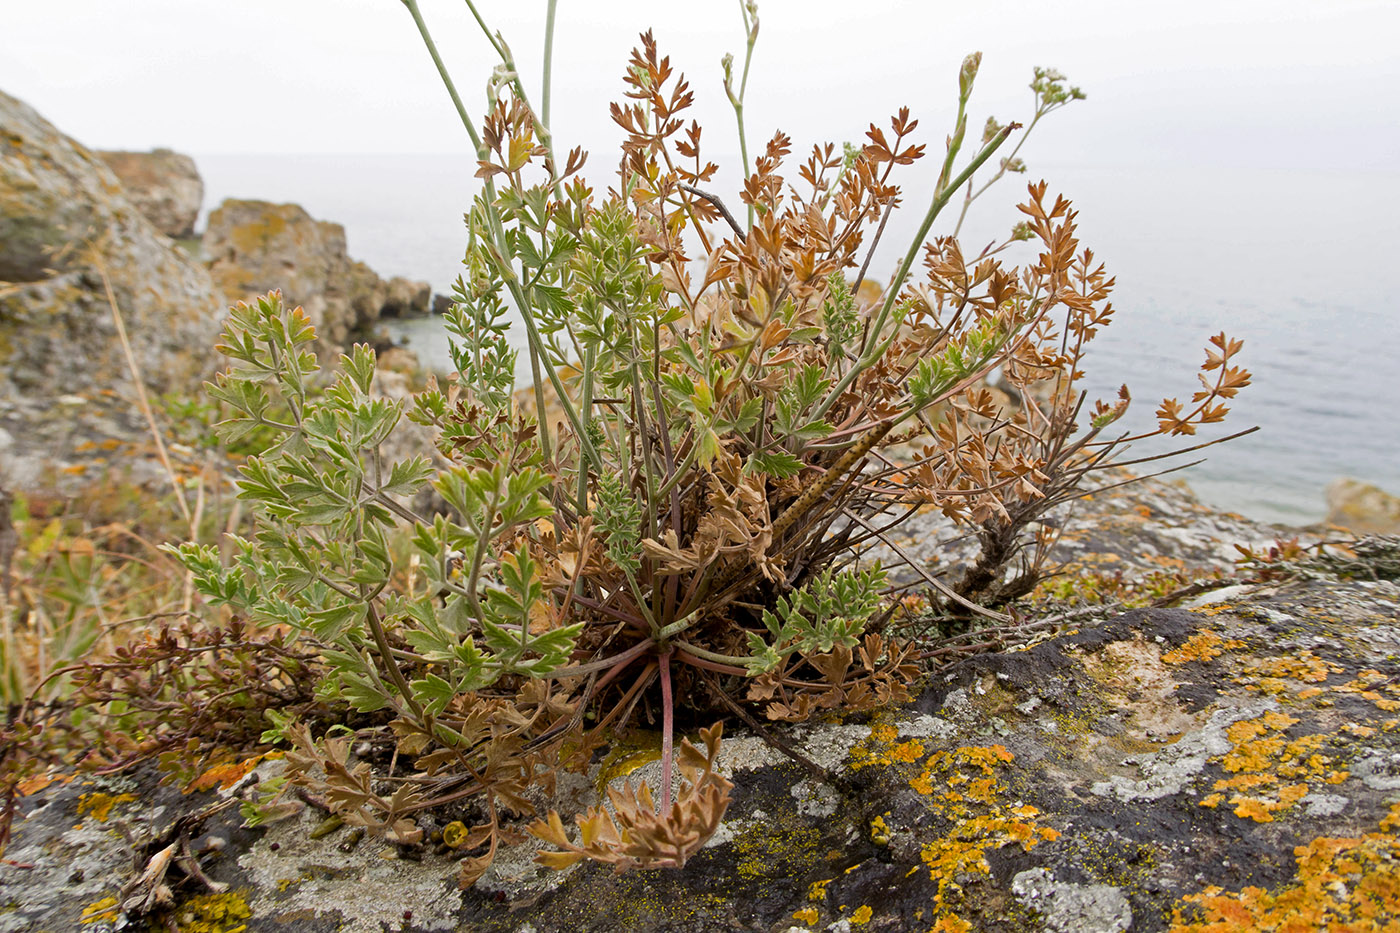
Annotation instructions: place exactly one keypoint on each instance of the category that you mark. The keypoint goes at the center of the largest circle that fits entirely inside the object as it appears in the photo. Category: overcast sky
(1280, 83)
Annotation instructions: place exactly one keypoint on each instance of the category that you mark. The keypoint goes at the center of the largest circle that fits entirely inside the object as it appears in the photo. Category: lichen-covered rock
(1227, 765)
(253, 247)
(164, 185)
(65, 384)
(406, 297)
(1363, 508)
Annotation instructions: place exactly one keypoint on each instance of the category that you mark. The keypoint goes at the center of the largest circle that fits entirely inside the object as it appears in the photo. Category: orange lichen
(862, 915)
(971, 800)
(907, 752)
(816, 891)
(1202, 647)
(1342, 885)
(951, 923)
(224, 775)
(882, 747)
(807, 915)
(1279, 675)
(1262, 759)
(1392, 819)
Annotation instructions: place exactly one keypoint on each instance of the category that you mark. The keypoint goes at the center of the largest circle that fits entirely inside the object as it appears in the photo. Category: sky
(1274, 83)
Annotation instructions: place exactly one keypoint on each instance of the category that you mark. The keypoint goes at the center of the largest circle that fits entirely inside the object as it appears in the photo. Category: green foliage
(829, 610)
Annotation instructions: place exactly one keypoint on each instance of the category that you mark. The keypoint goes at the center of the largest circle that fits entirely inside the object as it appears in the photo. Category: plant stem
(140, 387)
(548, 60)
(737, 102)
(446, 78)
(386, 653)
(940, 200)
(667, 728)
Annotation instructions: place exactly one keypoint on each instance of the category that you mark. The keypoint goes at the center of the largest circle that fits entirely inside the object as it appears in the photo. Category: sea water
(1300, 265)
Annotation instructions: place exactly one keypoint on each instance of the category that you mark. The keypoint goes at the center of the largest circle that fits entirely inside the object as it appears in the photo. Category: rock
(255, 246)
(65, 385)
(442, 304)
(1073, 908)
(406, 297)
(164, 185)
(368, 293)
(1363, 508)
(398, 360)
(1035, 790)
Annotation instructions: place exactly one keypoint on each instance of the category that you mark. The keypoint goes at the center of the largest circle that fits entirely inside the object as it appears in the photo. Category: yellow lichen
(103, 911)
(642, 748)
(807, 915)
(862, 915)
(816, 891)
(213, 913)
(100, 805)
(951, 923)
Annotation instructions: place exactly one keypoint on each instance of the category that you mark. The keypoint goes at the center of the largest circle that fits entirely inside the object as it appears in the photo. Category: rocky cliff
(67, 231)
(72, 222)
(255, 246)
(165, 186)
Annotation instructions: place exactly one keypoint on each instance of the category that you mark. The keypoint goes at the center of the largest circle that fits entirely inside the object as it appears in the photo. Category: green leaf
(359, 366)
(330, 625)
(777, 463)
(407, 477)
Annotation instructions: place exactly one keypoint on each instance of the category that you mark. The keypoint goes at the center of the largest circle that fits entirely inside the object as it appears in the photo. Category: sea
(1300, 265)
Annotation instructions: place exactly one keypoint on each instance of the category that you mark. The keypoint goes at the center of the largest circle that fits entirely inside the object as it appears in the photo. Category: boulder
(65, 383)
(253, 247)
(164, 185)
(1225, 763)
(1363, 508)
(442, 304)
(405, 297)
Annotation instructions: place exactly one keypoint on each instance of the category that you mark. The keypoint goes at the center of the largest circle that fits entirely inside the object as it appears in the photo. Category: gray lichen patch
(1173, 769)
(364, 890)
(1073, 908)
